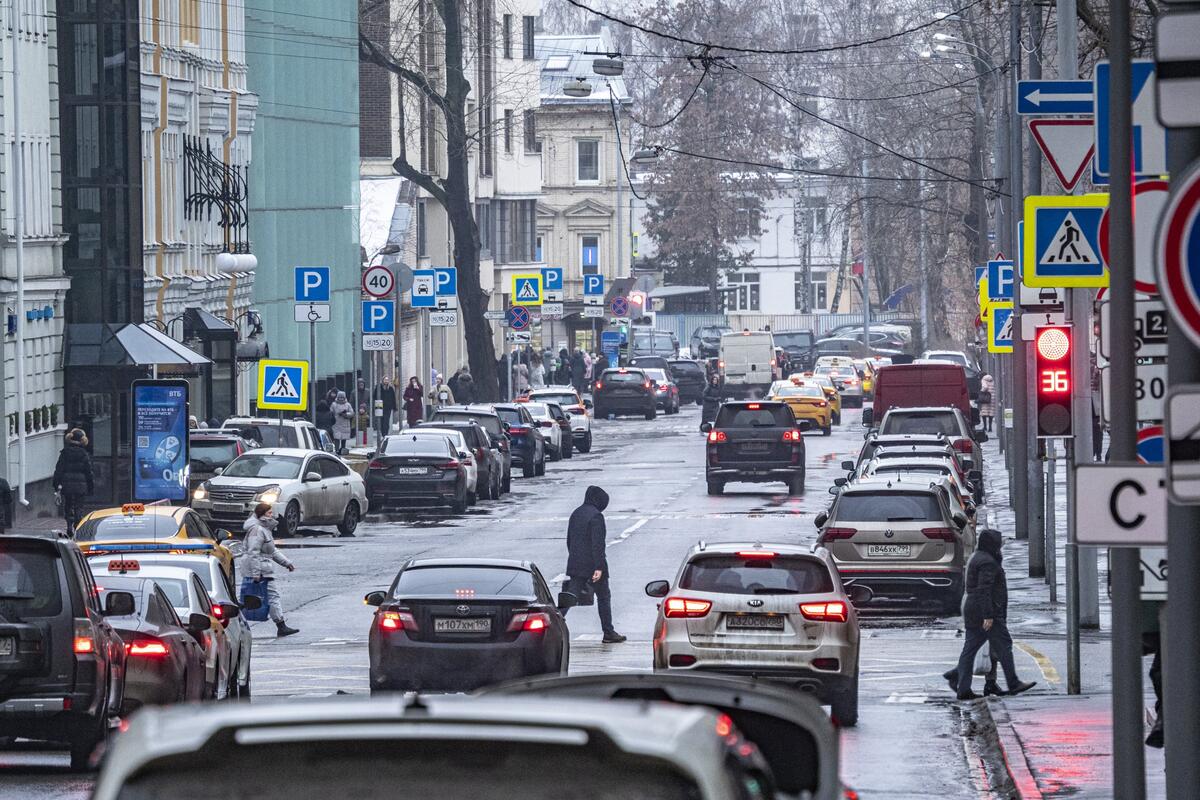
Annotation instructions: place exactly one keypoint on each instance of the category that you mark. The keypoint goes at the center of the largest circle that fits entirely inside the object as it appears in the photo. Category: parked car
(690, 378)
(624, 390)
(947, 421)
(313, 488)
(762, 610)
(424, 469)
(706, 341)
(666, 392)
(575, 406)
(458, 624)
(799, 346)
(163, 661)
(212, 451)
(528, 444)
(551, 430)
(465, 455)
(747, 363)
(842, 346)
(755, 442)
(295, 433)
(488, 458)
(63, 663)
(485, 417)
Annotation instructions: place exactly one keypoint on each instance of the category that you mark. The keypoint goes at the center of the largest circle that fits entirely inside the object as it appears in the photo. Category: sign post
(312, 288)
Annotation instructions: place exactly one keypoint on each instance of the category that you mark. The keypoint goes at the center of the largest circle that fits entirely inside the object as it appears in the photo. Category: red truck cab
(919, 385)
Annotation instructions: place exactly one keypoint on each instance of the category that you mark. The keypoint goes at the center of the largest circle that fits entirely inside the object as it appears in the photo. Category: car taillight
(833, 611)
(756, 554)
(518, 430)
(646, 385)
(452, 464)
(146, 649)
(963, 446)
(720, 365)
(822, 403)
(529, 621)
(716, 437)
(547, 423)
(831, 534)
(377, 464)
(686, 607)
(397, 621)
(792, 436)
(599, 385)
(218, 612)
(85, 637)
(940, 534)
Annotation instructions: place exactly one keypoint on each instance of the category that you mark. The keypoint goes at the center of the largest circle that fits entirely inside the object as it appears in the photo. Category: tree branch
(371, 52)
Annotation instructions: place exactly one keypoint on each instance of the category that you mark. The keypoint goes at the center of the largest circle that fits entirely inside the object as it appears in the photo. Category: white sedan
(549, 425)
(576, 408)
(464, 452)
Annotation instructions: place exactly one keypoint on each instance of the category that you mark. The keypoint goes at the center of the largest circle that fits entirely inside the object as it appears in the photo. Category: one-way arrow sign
(1055, 97)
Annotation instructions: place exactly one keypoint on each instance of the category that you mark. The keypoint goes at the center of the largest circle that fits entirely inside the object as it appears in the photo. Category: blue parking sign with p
(445, 281)
(1000, 280)
(593, 284)
(379, 316)
(552, 279)
(312, 284)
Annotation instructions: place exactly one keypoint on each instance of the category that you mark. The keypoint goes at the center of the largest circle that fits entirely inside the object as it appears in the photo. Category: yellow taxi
(831, 392)
(141, 528)
(807, 401)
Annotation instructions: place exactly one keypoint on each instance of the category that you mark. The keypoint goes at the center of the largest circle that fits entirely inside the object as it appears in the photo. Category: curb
(1015, 762)
(984, 753)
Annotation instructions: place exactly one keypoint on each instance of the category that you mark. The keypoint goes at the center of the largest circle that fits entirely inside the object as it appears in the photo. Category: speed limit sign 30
(378, 281)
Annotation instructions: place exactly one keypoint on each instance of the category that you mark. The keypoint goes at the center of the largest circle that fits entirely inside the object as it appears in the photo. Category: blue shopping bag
(259, 590)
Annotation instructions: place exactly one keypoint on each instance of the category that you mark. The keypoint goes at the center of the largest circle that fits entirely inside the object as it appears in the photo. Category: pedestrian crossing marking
(1069, 245)
(283, 388)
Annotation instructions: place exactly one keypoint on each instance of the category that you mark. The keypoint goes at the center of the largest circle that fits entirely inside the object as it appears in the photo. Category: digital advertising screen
(160, 441)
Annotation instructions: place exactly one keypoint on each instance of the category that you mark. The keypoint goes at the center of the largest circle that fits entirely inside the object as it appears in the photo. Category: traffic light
(1052, 373)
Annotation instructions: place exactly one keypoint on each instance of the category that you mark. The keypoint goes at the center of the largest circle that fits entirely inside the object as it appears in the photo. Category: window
(811, 216)
(463, 582)
(483, 218)
(748, 220)
(818, 292)
(527, 38)
(538, 251)
(589, 257)
(888, 507)
(742, 292)
(587, 161)
(532, 145)
(508, 131)
(422, 230)
(732, 574)
(506, 35)
(516, 231)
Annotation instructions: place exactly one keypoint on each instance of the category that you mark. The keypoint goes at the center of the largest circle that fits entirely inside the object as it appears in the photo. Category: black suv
(62, 665)
(623, 391)
(799, 346)
(706, 340)
(525, 436)
(754, 442)
(689, 377)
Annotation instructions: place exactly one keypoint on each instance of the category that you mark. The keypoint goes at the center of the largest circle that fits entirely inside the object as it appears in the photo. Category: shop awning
(125, 345)
(200, 323)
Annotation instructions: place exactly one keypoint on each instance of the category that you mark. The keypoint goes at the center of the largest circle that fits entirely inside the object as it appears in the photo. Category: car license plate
(755, 447)
(889, 550)
(758, 622)
(409, 471)
(8, 645)
(456, 625)
(229, 508)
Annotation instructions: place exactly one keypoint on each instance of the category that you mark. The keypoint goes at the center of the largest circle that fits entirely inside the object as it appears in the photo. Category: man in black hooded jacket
(586, 561)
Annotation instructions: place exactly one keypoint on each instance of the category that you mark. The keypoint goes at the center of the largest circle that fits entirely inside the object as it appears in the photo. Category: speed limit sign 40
(378, 281)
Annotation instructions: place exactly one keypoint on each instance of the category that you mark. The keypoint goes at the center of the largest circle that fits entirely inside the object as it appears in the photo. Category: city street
(912, 739)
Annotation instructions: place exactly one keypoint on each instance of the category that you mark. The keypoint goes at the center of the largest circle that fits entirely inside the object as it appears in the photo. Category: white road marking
(625, 534)
(907, 697)
(559, 578)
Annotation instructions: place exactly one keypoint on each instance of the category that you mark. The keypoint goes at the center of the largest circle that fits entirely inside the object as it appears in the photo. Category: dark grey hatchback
(754, 442)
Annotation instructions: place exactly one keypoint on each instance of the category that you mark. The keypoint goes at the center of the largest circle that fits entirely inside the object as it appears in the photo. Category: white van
(747, 363)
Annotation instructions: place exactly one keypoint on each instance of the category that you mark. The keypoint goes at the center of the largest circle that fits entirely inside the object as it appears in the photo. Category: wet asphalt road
(908, 743)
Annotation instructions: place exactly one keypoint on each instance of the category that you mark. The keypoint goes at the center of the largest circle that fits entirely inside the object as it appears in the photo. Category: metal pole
(866, 276)
(1051, 544)
(19, 234)
(1016, 165)
(1129, 779)
(312, 369)
(1034, 490)
(1182, 635)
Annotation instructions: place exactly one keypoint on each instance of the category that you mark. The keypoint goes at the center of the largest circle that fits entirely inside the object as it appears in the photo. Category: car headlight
(201, 492)
(268, 494)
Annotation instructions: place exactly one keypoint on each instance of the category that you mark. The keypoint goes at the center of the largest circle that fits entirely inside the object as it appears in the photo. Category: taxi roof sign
(133, 508)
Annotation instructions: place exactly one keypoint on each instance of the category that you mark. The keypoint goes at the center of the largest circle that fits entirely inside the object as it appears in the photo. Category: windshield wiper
(16, 596)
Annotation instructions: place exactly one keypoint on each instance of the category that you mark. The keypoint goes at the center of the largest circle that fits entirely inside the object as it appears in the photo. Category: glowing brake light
(599, 385)
(686, 607)
(84, 641)
(833, 611)
(717, 437)
(146, 649)
(217, 611)
(754, 406)
(533, 621)
(397, 621)
(756, 554)
(622, 370)
(452, 464)
(792, 436)
(377, 464)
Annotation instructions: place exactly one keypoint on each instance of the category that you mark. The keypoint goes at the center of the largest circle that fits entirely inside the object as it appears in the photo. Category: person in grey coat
(259, 555)
(985, 615)
(343, 420)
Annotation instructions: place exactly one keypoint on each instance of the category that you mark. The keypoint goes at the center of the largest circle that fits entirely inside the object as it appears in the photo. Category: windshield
(196, 565)
(686, 367)
(464, 582)
(887, 507)
(731, 574)
(755, 415)
(537, 409)
(797, 340)
(653, 341)
(213, 453)
(252, 465)
(131, 526)
(510, 415)
(561, 399)
(951, 357)
(108, 584)
(924, 422)
(29, 581)
(177, 593)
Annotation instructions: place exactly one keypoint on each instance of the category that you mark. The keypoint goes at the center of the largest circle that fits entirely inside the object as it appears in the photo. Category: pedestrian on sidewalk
(73, 477)
(440, 395)
(414, 402)
(324, 417)
(260, 557)
(987, 405)
(465, 391)
(385, 393)
(587, 564)
(343, 419)
(985, 615)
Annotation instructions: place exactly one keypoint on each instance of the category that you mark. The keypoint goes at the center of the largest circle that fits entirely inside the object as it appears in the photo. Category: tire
(349, 522)
(586, 445)
(459, 504)
(556, 454)
(290, 521)
(843, 706)
(568, 448)
(541, 465)
(231, 691)
(529, 468)
(85, 742)
(827, 430)
(716, 487)
(796, 485)
(244, 690)
(472, 497)
(506, 485)
(837, 418)
(652, 413)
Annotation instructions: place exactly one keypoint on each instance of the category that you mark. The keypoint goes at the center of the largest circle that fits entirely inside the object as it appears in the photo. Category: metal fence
(684, 325)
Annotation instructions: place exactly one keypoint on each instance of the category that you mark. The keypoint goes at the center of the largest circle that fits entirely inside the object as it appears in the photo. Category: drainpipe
(163, 114)
(19, 231)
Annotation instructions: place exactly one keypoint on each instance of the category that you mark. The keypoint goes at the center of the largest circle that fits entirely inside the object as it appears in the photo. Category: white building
(30, 26)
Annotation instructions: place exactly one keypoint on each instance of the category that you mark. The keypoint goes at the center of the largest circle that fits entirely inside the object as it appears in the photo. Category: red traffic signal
(1053, 380)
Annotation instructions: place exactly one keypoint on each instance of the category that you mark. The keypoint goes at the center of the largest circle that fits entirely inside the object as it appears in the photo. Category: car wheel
(349, 521)
(529, 468)
(652, 413)
(231, 691)
(837, 418)
(290, 522)
(843, 706)
(459, 504)
(827, 430)
(568, 447)
(716, 487)
(244, 689)
(541, 465)
(586, 445)
(83, 745)
(506, 486)
(556, 453)
(796, 485)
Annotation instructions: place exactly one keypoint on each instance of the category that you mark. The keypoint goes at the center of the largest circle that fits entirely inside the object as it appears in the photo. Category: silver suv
(931, 421)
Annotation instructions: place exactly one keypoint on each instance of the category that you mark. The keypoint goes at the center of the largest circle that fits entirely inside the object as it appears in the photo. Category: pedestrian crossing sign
(1000, 324)
(527, 290)
(283, 385)
(1062, 241)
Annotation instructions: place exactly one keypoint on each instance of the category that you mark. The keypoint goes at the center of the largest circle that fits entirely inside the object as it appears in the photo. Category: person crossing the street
(260, 555)
(587, 563)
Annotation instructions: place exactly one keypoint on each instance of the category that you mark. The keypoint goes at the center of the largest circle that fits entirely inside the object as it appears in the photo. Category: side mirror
(567, 600)
(839, 482)
(463, 454)
(835, 490)
(222, 535)
(119, 604)
(588, 404)
(231, 610)
(218, 470)
(312, 477)
(374, 598)
(705, 427)
(805, 424)
(658, 588)
(859, 595)
(975, 476)
(251, 601)
(197, 623)
(981, 436)
(506, 426)
(848, 466)
(329, 448)
(960, 520)
(868, 418)
(820, 519)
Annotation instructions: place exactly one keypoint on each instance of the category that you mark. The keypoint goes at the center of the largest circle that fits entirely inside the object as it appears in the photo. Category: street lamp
(609, 67)
(645, 156)
(578, 88)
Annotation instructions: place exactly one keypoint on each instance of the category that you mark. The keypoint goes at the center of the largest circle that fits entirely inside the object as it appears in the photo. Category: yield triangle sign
(1069, 245)
(1067, 144)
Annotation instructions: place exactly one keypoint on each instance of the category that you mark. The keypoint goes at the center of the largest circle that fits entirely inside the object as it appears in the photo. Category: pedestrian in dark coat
(465, 391)
(73, 476)
(562, 373)
(324, 417)
(414, 401)
(985, 615)
(599, 365)
(586, 559)
(578, 370)
(386, 394)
